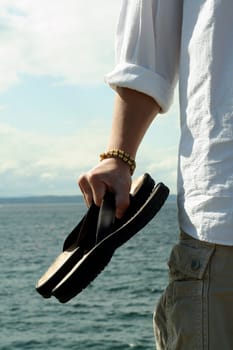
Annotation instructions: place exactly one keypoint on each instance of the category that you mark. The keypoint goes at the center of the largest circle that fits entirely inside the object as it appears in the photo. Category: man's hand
(133, 114)
(110, 174)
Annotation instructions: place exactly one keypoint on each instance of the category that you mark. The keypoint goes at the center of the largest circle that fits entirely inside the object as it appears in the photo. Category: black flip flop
(110, 236)
(83, 237)
(71, 254)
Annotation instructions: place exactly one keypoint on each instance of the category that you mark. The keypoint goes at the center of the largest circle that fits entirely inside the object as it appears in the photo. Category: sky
(55, 108)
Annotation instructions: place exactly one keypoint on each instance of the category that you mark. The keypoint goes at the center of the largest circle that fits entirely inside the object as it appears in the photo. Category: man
(159, 41)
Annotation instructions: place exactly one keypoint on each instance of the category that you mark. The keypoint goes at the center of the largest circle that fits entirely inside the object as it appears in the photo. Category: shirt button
(195, 265)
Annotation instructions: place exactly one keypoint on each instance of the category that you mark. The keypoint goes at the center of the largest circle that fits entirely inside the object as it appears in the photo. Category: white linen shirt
(159, 41)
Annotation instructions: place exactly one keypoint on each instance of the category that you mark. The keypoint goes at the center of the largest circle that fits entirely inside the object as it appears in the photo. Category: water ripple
(113, 313)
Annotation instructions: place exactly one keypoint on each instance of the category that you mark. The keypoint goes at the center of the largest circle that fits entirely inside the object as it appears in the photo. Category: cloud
(27, 152)
(29, 157)
(3, 107)
(161, 163)
(32, 163)
(70, 40)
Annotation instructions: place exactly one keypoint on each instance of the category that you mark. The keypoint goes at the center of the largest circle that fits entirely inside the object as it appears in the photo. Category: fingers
(93, 190)
(108, 175)
(86, 190)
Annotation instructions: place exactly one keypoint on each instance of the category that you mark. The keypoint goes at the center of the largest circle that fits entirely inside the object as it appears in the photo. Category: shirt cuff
(138, 78)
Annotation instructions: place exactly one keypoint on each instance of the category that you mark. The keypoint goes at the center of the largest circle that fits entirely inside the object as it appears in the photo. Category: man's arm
(133, 114)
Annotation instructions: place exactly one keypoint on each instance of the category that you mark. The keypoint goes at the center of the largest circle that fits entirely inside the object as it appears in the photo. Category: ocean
(114, 313)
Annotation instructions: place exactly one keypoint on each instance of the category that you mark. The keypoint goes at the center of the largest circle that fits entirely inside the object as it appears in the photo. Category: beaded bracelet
(125, 157)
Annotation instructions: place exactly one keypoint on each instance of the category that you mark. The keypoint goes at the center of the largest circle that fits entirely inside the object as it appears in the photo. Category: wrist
(121, 156)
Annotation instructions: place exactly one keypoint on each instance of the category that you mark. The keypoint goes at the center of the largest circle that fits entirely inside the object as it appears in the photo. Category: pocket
(189, 261)
(185, 301)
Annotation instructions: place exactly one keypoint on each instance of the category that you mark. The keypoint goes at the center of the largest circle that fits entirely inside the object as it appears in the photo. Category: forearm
(133, 114)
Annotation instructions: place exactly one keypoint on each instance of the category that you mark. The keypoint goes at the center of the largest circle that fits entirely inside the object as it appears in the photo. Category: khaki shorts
(196, 310)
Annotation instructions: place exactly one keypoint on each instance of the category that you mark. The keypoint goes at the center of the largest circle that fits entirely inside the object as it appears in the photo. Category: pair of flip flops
(90, 246)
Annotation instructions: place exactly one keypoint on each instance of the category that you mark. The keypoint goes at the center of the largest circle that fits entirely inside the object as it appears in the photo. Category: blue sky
(55, 110)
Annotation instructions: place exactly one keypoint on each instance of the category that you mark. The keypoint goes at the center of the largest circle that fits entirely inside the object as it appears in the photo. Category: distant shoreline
(52, 199)
(41, 199)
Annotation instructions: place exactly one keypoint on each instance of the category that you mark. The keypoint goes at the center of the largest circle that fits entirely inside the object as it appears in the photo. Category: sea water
(114, 313)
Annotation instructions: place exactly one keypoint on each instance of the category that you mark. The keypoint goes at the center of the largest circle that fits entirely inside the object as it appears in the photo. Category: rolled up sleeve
(147, 48)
